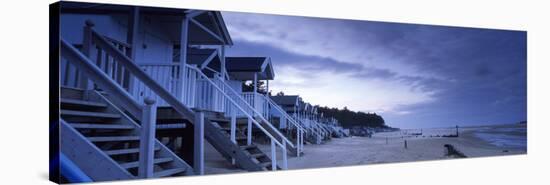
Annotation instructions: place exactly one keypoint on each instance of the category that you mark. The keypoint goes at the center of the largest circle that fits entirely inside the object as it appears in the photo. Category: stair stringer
(92, 160)
(164, 150)
(293, 151)
(227, 148)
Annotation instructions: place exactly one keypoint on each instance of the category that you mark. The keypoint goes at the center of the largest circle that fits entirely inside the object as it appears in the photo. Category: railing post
(285, 164)
(86, 49)
(249, 131)
(298, 141)
(183, 58)
(233, 131)
(147, 139)
(131, 38)
(302, 140)
(194, 89)
(254, 91)
(233, 126)
(198, 156)
(273, 156)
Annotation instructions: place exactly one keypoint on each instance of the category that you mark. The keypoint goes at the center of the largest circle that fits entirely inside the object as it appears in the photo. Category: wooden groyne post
(453, 152)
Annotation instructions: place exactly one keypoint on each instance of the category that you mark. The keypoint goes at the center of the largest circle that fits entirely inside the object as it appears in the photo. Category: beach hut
(142, 88)
(252, 70)
(284, 110)
(289, 104)
(306, 118)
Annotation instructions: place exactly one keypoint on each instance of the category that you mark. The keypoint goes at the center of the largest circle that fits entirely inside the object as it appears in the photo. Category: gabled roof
(243, 68)
(303, 106)
(201, 57)
(204, 58)
(207, 27)
(285, 100)
(106, 8)
(210, 22)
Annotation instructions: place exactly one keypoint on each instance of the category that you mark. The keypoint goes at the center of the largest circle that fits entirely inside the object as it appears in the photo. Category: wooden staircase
(260, 160)
(104, 142)
(217, 131)
(91, 144)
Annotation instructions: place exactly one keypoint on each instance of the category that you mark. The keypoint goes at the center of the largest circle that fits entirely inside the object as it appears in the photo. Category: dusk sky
(415, 76)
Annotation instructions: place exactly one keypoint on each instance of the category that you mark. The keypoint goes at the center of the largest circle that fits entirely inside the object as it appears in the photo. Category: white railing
(189, 89)
(258, 102)
(321, 128)
(208, 97)
(70, 76)
(196, 91)
(284, 116)
(239, 100)
(235, 107)
(165, 75)
(315, 130)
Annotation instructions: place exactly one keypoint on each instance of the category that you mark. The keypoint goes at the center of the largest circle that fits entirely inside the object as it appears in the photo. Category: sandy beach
(388, 147)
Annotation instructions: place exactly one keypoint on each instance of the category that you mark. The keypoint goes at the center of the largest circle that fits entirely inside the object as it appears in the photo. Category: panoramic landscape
(148, 92)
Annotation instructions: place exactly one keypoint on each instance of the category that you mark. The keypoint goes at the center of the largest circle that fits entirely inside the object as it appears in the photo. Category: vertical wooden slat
(67, 72)
(198, 156)
(147, 139)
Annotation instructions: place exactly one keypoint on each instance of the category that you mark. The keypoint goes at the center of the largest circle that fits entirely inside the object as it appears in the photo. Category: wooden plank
(82, 103)
(147, 139)
(169, 172)
(198, 156)
(113, 138)
(89, 114)
(101, 126)
(125, 151)
(135, 164)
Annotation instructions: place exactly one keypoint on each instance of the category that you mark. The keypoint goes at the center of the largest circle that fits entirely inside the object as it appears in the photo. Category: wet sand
(381, 148)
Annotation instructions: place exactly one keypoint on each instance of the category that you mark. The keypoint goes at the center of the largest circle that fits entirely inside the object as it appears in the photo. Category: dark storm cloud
(476, 75)
(307, 63)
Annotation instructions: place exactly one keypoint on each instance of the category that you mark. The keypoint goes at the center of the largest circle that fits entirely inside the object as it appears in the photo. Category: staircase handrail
(273, 104)
(241, 109)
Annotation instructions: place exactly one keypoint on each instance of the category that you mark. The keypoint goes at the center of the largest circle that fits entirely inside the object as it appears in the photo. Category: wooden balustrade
(244, 108)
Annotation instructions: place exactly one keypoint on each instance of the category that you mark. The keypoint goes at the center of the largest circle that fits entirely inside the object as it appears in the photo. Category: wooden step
(171, 126)
(265, 164)
(89, 114)
(135, 164)
(113, 138)
(126, 151)
(246, 147)
(66, 101)
(71, 92)
(229, 129)
(219, 120)
(169, 172)
(258, 155)
(102, 126)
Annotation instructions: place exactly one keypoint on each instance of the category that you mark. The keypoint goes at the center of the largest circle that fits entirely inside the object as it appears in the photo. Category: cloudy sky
(413, 75)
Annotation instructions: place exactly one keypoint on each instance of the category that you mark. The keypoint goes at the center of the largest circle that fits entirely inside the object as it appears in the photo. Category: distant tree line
(345, 117)
(249, 87)
(348, 118)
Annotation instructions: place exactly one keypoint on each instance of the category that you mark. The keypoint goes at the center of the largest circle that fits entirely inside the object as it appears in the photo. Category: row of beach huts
(143, 88)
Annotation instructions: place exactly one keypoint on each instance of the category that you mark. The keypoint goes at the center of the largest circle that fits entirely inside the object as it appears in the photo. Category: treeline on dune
(348, 118)
(345, 117)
